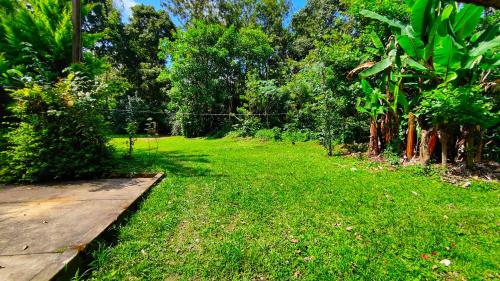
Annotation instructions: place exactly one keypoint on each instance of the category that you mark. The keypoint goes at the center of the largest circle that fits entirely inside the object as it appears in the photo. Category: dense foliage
(445, 61)
(210, 65)
(53, 125)
(411, 78)
(59, 133)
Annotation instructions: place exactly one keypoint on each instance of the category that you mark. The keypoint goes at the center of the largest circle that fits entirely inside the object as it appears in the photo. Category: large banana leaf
(486, 34)
(371, 102)
(377, 42)
(447, 12)
(394, 23)
(377, 68)
(421, 17)
(414, 47)
(483, 47)
(429, 47)
(413, 64)
(447, 57)
(466, 20)
(399, 98)
(410, 2)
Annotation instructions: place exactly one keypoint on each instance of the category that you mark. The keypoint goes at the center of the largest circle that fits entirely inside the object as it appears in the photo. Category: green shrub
(248, 126)
(273, 134)
(59, 134)
(391, 156)
(233, 134)
(297, 135)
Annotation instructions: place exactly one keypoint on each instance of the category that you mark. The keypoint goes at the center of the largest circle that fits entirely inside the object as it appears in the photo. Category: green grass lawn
(249, 210)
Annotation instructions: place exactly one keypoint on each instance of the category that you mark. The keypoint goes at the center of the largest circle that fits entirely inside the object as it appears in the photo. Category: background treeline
(339, 71)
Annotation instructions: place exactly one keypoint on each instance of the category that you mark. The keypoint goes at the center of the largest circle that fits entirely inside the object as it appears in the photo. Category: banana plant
(439, 45)
(372, 104)
(439, 39)
(389, 70)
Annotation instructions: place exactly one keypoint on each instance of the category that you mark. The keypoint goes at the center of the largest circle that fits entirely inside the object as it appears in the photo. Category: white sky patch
(125, 7)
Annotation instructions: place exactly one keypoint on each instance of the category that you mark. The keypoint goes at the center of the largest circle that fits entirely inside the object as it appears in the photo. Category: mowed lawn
(233, 209)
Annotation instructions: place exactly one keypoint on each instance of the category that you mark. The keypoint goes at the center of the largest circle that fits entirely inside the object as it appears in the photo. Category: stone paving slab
(44, 227)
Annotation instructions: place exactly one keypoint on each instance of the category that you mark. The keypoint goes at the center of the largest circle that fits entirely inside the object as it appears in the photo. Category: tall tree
(317, 19)
(133, 48)
(226, 12)
(210, 64)
(76, 20)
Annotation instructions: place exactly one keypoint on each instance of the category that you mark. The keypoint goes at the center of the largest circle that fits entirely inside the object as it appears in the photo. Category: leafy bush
(391, 156)
(248, 126)
(209, 67)
(297, 135)
(60, 134)
(462, 106)
(273, 134)
(233, 134)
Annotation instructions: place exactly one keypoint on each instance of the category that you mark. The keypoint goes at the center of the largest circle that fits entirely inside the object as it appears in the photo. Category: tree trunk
(469, 147)
(427, 144)
(410, 140)
(77, 31)
(433, 138)
(479, 151)
(388, 116)
(131, 146)
(373, 149)
(444, 138)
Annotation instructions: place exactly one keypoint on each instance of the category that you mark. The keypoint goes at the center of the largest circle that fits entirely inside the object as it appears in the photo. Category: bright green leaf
(414, 47)
(391, 22)
(466, 20)
(379, 67)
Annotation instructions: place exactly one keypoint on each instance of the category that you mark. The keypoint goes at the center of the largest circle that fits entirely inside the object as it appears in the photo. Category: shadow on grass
(176, 163)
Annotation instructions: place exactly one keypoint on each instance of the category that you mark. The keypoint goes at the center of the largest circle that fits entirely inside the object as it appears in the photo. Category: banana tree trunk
(479, 151)
(444, 138)
(388, 122)
(433, 138)
(469, 147)
(374, 149)
(410, 140)
(427, 145)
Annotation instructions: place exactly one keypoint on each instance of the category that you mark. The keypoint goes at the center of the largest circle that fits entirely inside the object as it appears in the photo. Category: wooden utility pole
(77, 30)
